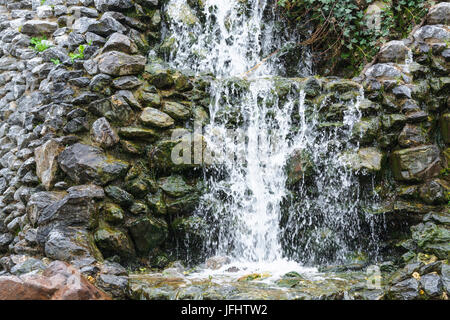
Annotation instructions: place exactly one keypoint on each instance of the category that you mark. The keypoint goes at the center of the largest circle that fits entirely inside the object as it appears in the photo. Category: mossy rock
(113, 242)
(148, 233)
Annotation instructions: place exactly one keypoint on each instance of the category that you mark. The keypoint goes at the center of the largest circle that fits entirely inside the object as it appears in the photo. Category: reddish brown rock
(59, 281)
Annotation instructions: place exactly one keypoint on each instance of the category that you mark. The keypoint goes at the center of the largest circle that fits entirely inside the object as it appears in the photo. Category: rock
(393, 51)
(154, 117)
(431, 284)
(445, 273)
(432, 239)
(113, 5)
(138, 133)
(175, 186)
(113, 213)
(434, 192)
(369, 159)
(39, 201)
(439, 14)
(215, 263)
(103, 134)
(405, 290)
(415, 164)
(120, 64)
(366, 130)
(120, 196)
(430, 33)
(46, 157)
(59, 281)
(113, 242)
(89, 191)
(39, 27)
(176, 110)
(116, 286)
(83, 164)
(148, 233)
(29, 265)
(412, 136)
(445, 127)
(126, 83)
(383, 71)
(120, 42)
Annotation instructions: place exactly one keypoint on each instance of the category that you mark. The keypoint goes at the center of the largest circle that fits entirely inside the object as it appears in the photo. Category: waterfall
(258, 121)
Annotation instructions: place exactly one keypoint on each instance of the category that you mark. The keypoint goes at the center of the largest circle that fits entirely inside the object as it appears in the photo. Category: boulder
(445, 127)
(175, 186)
(393, 51)
(432, 33)
(39, 27)
(113, 5)
(176, 110)
(154, 117)
(412, 136)
(117, 63)
(120, 42)
(148, 233)
(405, 290)
(415, 164)
(369, 159)
(439, 14)
(84, 163)
(113, 242)
(46, 157)
(103, 134)
(59, 281)
(431, 284)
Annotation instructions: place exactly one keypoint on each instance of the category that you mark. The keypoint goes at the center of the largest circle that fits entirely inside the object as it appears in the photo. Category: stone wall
(87, 129)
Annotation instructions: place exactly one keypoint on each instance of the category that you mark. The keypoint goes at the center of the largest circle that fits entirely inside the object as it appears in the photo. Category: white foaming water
(226, 38)
(252, 128)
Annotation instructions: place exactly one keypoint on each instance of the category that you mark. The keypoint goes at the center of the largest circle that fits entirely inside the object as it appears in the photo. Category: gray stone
(120, 64)
(176, 110)
(393, 51)
(431, 284)
(46, 162)
(439, 14)
(154, 117)
(103, 134)
(116, 286)
(113, 5)
(405, 290)
(120, 42)
(83, 163)
(39, 27)
(414, 164)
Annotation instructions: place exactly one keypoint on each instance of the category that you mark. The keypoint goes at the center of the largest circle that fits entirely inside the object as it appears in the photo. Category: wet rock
(29, 265)
(414, 164)
(432, 239)
(39, 201)
(39, 27)
(434, 192)
(298, 166)
(369, 159)
(103, 134)
(120, 42)
(431, 284)
(116, 286)
(126, 83)
(113, 242)
(430, 33)
(439, 14)
(175, 186)
(445, 273)
(176, 110)
(154, 117)
(59, 281)
(46, 157)
(113, 5)
(405, 290)
(120, 64)
(215, 263)
(138, 133)
(113, 213)
(119, 195)
(148, 233)
(366, 130)
(383, 71)
(445, 127)
(83, 163)
(393, 51)
(412, 136)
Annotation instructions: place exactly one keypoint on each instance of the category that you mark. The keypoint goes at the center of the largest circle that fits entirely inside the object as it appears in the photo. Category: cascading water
(256, 125)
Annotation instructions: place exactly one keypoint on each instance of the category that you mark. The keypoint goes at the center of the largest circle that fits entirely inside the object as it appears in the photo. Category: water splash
(256, 126)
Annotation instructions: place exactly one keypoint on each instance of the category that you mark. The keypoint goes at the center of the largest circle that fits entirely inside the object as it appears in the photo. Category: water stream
(258, 121)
